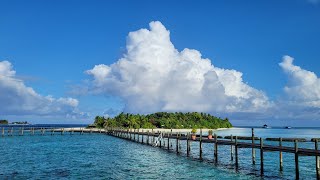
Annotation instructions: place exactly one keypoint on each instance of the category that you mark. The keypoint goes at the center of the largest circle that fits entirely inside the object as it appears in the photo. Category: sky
(254, 62)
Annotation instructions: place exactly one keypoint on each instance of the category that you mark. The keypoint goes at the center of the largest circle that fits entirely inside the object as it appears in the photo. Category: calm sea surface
(99, 156)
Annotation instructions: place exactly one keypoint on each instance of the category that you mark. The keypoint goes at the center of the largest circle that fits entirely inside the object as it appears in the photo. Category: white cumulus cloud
(154, 76)
(18, 99)
(303, 88)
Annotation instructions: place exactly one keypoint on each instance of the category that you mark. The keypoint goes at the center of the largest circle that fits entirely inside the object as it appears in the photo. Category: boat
(288, 127)
(265, 126)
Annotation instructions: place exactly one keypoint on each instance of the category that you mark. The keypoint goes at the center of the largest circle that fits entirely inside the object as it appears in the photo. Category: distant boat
(288, 127)
(265, 126)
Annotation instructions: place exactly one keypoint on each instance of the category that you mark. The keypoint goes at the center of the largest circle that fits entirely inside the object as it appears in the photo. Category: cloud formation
(301, 94)
(154, 76)
(18, 99)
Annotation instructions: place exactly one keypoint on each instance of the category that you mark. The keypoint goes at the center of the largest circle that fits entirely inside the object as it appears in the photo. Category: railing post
(177, 144)
(236, 152)
(215, 148)
(296, 158)
(2, 131)
(142, 136)
(261, 156)
(188, 144)
(317, 159)
(160, 141)
(134, 134)
(280, 155)
(169, 140)
(200, 144)
(253, 149)
(231, 150)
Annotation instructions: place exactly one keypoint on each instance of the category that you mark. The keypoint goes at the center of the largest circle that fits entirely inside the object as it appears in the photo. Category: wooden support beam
(215, 148)
(168, 140)
(160, 141)
(296, 158)
(231, 148)
(177, 144)
(253, 150)
(134, 134)
(142, 136)
(236, 152)
(280, 155)
(261, 157)
(200, 145)
(317, 159)
(188, 144)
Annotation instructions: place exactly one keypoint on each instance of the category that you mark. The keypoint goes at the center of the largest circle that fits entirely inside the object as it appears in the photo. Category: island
(4, 121)
(175, 120)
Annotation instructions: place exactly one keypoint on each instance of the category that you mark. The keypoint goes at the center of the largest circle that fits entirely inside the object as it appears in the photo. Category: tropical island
(176, 120)
(4, 121)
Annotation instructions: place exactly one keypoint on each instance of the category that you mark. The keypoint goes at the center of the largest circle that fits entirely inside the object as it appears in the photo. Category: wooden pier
(232, 141)
(21, 131)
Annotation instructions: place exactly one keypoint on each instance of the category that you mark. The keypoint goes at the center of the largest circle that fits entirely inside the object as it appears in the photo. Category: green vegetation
(176, 120)
(194, 131)
(4, 122)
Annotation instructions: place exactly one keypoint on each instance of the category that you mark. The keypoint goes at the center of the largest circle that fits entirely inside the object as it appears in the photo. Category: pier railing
(235, 143)
(148, 137)
(20, 131)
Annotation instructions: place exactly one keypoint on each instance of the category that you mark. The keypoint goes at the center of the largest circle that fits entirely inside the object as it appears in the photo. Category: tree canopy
(177, 120)
(3, 121)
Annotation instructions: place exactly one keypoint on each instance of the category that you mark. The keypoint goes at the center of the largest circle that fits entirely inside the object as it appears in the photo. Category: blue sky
(51, 44)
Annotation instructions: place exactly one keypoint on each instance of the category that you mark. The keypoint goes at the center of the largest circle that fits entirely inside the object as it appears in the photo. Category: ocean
(99, 156)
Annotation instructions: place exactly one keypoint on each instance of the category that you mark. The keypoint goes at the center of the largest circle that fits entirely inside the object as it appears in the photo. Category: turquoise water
(99, 156)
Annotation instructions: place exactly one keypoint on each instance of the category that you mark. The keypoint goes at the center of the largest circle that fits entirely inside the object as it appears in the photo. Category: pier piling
(188, 144)
(317, 159)
(261, 157)
(200, 144)
(280, 155)
(231, 148)
(215, 148)
(236, 152)
(142, 137)
(253, 150)
(296, 158)
(177, 144)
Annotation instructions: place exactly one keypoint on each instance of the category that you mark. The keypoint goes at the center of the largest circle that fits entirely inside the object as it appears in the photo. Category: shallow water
(99, 156)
